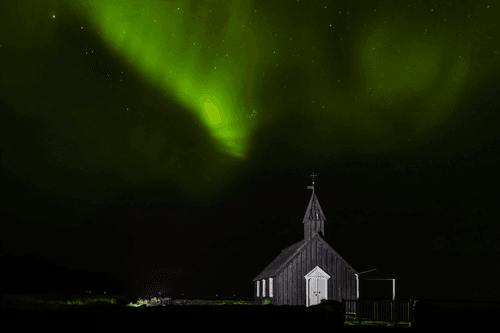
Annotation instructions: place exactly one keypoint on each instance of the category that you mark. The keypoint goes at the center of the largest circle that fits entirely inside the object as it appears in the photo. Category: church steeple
(314, 218)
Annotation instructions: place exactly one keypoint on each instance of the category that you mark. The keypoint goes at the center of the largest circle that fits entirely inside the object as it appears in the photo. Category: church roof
(313, 212)
(282, 258)
(288, 254)
(313, 208)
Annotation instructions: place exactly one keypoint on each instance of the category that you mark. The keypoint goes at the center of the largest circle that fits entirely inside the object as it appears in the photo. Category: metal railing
(383, 311)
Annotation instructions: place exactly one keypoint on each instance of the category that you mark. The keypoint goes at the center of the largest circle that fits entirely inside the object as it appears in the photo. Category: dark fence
(387, 311)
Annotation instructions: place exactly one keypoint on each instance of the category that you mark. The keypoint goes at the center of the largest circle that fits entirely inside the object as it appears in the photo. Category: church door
(317, 290)
(316, 286)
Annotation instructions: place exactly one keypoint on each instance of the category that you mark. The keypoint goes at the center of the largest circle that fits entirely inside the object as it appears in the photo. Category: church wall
(301, 280)
(280, 299)
(295, 273)
(292, 278)
(339, 280)
(314, 254)
(297, 264)
(353, 286)
(290, 285)
(329, 256)
(285, 285)
(333, 283)
(348, 284)
(343, 289)
(333, 275)
(303, 258)
(307, 231)
(344, 284)
(324, 257)
(285, 291)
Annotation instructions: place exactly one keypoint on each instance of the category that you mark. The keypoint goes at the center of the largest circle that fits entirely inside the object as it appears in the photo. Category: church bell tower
(314, 218)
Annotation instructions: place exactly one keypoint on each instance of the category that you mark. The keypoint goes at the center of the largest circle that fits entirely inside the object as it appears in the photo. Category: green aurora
(196, 91)
(216, 57)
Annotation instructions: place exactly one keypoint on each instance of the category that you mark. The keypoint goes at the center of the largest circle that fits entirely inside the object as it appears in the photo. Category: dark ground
(428, 316)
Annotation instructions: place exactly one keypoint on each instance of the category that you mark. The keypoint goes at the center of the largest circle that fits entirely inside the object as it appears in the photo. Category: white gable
(317, 272)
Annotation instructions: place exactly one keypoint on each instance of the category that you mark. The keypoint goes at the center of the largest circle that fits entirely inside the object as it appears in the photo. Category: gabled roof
(313, 208)
(283, 258)
(289, 253)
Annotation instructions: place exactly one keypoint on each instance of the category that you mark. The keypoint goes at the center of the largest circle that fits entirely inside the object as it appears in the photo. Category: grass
(52, 302)
(163, 301)
(376, 323)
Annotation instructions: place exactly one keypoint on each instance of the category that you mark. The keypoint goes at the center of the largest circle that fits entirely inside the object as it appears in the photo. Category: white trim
(393, 289)
(319, 274)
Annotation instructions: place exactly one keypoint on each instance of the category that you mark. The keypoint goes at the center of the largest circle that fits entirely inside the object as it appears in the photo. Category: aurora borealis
(202, 120)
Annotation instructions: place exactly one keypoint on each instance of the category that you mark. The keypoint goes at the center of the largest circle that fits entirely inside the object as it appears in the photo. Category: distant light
(53, 16)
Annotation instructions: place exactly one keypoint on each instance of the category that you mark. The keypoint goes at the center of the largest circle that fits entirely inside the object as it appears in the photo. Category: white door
(317, 290)
(313, 291)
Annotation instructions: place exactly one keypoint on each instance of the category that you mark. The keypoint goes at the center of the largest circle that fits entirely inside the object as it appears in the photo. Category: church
(307, 271)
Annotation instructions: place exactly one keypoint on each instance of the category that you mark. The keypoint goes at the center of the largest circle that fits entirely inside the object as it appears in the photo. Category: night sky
(166, 146)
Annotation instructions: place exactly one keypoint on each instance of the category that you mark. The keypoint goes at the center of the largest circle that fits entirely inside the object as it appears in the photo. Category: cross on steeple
(312, 187)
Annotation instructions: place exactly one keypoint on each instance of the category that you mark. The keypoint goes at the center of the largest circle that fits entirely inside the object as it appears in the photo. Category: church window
(270, 287)
(263, 288)
(258, 288)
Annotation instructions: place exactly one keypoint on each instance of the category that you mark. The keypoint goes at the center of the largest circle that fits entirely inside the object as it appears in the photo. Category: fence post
(359, 312)
(412, 314)
(395, 312)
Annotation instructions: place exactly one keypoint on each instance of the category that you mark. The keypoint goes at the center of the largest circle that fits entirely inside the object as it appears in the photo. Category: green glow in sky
(128, 93)
(213, 57)
(199, 61)
(400, 57)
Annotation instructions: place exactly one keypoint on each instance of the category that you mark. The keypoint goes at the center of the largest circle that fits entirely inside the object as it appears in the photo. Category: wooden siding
(294, 281)
(303, 267)
(285, 286)
(281, 289)
(289, 284)
(331, 280)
